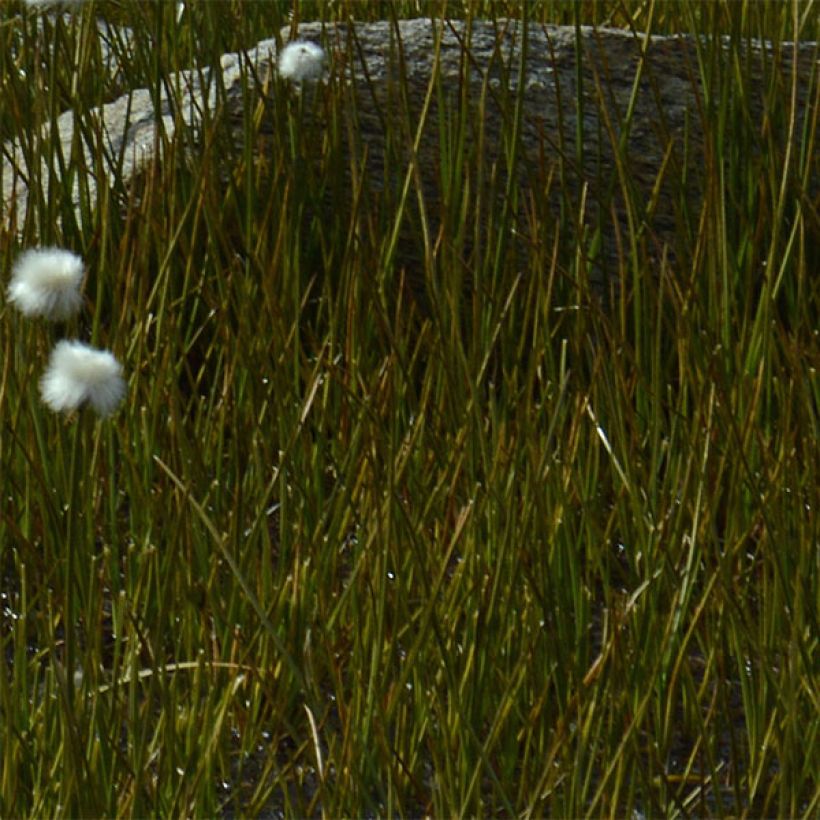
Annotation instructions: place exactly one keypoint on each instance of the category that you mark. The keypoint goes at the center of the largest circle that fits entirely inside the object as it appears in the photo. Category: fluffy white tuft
(302, 60)
(77, 374)
(46, 282)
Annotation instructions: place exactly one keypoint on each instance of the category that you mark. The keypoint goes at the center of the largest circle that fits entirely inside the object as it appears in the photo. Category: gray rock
(629, 112)
(118, 139)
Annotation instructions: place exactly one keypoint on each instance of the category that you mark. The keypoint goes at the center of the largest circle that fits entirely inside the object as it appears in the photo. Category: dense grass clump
(506, 546)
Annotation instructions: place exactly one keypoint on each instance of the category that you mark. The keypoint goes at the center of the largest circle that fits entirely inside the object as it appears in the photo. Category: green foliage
(370, 538)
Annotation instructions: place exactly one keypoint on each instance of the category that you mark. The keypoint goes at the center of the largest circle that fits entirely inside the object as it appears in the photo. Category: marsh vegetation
(461, 534)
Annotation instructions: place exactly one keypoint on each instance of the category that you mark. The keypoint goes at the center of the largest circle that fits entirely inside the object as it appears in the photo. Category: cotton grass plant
(345, 551)
(77, 374)
(46, 282)
(301, 60)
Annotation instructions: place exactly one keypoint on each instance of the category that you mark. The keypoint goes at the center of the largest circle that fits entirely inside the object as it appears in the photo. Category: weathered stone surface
(642, 93)
(119, 138)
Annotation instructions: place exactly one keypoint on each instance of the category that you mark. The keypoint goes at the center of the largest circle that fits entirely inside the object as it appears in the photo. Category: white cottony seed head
(77, 374)
(46, 282)
(302, 60)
